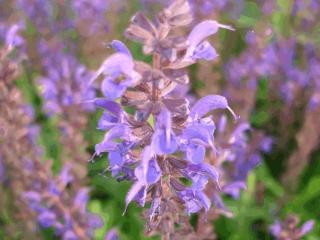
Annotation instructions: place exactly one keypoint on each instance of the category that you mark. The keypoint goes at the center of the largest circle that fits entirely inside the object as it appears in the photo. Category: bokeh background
(268, 68)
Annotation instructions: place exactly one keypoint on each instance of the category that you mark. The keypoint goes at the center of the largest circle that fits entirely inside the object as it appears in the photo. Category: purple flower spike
(119, 75)
(163, 141)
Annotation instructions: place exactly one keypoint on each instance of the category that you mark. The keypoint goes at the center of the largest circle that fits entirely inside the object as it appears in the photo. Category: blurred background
(268, 68)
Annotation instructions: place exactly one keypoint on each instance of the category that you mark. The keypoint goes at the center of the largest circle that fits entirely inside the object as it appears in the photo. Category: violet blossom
(57, 208)
(288, 229)
(165, 139)
(65, 81)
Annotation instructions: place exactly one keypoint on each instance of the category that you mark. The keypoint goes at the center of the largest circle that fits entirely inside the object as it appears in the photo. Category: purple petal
(164, 140)
(65, 177)
(201, 31)
(81, 199)
(276, 229)
(112, 235)
(120, 47)
(195, 153)
(204, 51)
(133, 193)
(32, 196)
(117, 62)
(12, 38)
(234, 188)
(211, 171)
(70, 235)
(47, 219)
(110, 106)
(116, 159)
(192, 206)
(208, 104)
(306, 227)
(108, 143)
(204, 200)
(162, 144)
(112, 90)
(154, 172)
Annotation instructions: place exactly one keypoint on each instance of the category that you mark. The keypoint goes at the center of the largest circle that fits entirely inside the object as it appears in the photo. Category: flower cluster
(60, 208)
(44, 15)
(55, 202)
(288, 229)
(289, 61)
(91, 13)
(164, 142)
(64, 84)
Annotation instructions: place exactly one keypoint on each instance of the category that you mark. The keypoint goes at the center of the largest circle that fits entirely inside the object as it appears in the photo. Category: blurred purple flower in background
(67, 81)
(288, 229)
(67, 214)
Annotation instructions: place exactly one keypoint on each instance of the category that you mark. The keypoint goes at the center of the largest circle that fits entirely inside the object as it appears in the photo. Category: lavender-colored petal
(204, 51)
(81, 199)
(154, 172)
(234, 188)
(276, 229)
(195, 153)
(209, 103)
(12, 38)
(200, 32)
(164, 144)
(108, 143)
(117, 62)
(133, 193)
(120, 47)
(112, 235)
(65, 176)
(204, 200)
(95, 221)
(112, 90)
(306, 227)
(69, 235)
(110, 106)
(47, 219)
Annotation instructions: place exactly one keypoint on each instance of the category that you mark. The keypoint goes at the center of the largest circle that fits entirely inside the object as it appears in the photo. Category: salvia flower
(165, 140)
(64, 83)
(62, 208)
(288, 229)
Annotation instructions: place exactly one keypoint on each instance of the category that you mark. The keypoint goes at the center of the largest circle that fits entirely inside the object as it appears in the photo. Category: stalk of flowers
(65, 90)
(165, 140)
(14, 139)
(289, 230)
(46, 17)
(91, 15)
(61, 203)
(37, 194)
(298, 160)
(298, 89)
(64, 85)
